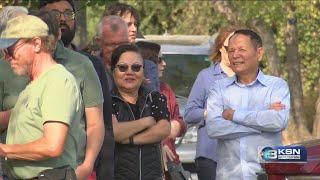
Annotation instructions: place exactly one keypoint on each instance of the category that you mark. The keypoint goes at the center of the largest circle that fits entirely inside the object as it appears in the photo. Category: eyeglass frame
(132, 67)
(67, 17)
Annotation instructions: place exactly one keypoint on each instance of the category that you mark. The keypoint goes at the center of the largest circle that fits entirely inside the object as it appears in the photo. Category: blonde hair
(215, 54)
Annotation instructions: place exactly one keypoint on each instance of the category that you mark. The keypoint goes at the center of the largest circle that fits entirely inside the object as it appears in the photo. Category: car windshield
(182, 70)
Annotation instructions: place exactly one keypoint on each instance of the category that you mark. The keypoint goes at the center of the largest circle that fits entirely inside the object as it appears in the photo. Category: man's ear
(37, 44)
(260, 53)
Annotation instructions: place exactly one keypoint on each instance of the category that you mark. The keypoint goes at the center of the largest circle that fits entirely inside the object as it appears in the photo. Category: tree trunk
(223, 8)
(269, 44)
(81, 19)
(294, 78)
(316, 122)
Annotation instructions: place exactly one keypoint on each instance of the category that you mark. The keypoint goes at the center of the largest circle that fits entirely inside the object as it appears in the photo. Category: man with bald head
(112, 32)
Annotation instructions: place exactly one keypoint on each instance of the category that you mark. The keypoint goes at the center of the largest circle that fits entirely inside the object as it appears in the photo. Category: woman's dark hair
(121, 9)
(149, 50)
(215, 54)
(119, 51)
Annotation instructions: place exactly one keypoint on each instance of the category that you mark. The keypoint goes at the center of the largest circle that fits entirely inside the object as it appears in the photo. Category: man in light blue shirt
(246, 112)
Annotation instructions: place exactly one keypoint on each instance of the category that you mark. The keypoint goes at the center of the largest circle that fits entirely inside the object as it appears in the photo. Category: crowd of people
(106, 113)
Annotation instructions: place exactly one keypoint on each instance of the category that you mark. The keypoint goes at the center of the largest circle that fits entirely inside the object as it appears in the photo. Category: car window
(182, 70)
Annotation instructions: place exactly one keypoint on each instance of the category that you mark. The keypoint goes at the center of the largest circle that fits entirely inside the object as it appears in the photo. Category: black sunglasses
(125, 67)
(9, 52)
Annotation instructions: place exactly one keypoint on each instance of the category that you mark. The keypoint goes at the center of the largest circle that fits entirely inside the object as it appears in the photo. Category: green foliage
(197, 17)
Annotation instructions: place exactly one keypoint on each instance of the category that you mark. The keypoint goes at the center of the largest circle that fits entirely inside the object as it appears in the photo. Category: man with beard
(131, 18)
(44, 124)
(65, 13)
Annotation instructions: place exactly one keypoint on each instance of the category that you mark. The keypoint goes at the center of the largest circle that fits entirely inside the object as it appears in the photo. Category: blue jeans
(206, 168)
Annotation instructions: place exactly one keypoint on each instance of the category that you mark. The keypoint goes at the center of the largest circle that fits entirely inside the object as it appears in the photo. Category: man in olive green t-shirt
(44, 125)
(91, 136)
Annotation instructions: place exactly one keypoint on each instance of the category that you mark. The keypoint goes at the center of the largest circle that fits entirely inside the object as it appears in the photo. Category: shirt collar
(59, 52)
(260, 78)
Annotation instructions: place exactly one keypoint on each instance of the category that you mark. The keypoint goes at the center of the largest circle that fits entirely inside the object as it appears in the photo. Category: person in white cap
(44, 125)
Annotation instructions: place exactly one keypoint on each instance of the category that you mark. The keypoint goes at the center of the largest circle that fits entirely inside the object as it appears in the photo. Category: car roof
(184, 49)
(182, 44)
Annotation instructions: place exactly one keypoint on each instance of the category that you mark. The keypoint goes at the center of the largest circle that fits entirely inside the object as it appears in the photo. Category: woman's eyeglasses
(125, 67)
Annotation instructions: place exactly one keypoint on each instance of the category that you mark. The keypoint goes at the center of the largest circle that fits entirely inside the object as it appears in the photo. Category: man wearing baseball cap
(44, 125)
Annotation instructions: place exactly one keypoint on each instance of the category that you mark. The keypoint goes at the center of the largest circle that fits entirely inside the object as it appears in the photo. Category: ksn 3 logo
(282, 154)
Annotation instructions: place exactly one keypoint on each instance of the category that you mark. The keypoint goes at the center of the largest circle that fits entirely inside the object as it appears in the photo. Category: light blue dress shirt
(253, 126)
(197, 103)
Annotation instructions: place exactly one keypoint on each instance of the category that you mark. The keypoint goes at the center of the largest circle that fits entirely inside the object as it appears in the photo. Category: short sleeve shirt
(54, 96)
(88, 81)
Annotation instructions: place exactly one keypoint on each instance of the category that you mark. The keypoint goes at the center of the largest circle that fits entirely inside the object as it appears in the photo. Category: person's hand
(83, 171)
(175, 129)
(227, 114)
(277, 106)
(168, 153)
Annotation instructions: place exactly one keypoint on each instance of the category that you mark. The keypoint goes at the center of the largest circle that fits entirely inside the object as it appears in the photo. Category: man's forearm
(51, 144)
(95, 137)
(95, 134)
(4, 119)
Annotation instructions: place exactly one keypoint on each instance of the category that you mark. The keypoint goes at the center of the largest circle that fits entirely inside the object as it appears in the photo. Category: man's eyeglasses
(68, 14)
(125, 67)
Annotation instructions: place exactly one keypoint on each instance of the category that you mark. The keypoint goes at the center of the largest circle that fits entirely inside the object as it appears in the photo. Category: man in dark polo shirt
(64, 9)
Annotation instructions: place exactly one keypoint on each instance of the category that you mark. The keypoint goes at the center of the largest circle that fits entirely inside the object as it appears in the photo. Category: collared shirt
(253, 126)
(197, 103)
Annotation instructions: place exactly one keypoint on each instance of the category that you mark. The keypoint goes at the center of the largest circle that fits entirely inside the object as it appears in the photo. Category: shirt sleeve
(194, 113)
(151, 72)
(92, 91)
(217, 126)
(61, 100)
(268, 120)
(159, 108)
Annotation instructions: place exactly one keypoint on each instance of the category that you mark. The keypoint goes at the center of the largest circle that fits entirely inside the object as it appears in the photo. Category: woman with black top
(140, 119)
